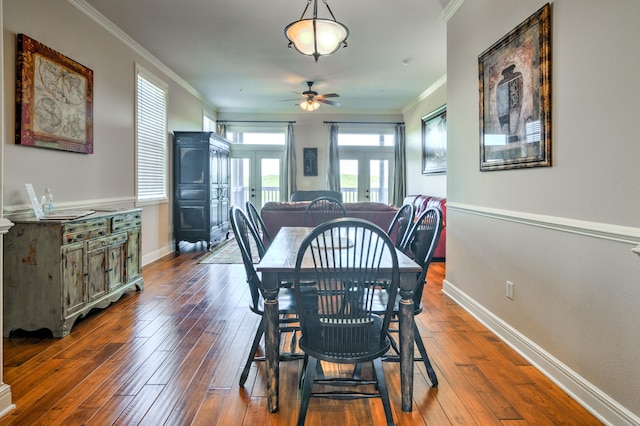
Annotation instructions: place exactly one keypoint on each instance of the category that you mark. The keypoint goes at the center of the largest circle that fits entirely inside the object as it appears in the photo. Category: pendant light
(316, 36)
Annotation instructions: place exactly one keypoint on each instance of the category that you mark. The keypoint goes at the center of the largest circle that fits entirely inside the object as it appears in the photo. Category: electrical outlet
(509, 290)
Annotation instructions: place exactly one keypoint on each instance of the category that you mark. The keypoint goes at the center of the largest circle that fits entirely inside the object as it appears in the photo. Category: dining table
(278, 265)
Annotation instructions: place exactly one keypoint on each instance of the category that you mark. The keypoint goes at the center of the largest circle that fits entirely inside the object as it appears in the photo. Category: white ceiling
(235, 53)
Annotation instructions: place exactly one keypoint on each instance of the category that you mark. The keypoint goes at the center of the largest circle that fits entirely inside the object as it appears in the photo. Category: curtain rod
(363, 122)
(254, 121)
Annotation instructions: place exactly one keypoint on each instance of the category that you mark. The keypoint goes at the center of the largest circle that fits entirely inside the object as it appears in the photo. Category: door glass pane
(270, 179)
(239, 181)
(379, 181)
(349, 180)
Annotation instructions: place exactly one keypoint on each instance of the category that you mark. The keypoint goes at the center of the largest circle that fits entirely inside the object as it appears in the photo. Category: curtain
(221, 129)
(333, 174)
(290, 164)
(400, 183)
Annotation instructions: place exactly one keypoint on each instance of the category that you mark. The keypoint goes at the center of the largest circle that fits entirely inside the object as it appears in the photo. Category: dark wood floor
(172, 355)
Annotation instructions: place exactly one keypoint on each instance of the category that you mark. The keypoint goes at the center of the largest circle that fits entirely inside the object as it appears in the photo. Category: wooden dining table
(278, 264)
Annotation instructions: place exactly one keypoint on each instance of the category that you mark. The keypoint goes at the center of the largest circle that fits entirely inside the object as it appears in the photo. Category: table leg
(272, 353)
(406, 353)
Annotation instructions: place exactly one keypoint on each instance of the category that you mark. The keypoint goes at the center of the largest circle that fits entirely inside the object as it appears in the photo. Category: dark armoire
(201, 187)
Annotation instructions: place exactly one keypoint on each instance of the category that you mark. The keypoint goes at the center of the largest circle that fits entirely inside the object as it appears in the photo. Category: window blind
(151, 137)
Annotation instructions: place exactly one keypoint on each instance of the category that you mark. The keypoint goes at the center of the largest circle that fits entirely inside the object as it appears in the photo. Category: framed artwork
(54, 99)
(310, 161)
(515, 97)
(434, 142)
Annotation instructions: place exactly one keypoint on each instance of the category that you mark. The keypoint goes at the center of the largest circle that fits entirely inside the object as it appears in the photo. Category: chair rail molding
(622, 234)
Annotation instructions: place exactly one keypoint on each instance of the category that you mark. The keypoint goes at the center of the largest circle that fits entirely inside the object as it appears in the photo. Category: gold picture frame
(515, 97)
(54, 99)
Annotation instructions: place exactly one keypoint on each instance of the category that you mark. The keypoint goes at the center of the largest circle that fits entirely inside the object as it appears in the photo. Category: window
(257, 138)
(257, 161)
(364, 139)
(151, 138)
(366, 164)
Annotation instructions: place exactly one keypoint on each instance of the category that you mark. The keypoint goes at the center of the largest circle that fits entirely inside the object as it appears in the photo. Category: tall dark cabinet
(201, 187)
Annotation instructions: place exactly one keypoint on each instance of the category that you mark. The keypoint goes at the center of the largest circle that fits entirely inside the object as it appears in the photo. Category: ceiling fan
(311, 99)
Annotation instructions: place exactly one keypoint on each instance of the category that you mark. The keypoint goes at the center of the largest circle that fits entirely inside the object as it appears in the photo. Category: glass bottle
(48, 206)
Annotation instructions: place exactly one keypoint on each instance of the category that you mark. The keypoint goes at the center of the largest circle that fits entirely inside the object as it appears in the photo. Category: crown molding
(435, 86)
(450, 10)
(101, 20)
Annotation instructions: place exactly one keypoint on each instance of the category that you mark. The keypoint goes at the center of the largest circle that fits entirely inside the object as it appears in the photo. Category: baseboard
(586, 394)
(5, 400)
(155, 255)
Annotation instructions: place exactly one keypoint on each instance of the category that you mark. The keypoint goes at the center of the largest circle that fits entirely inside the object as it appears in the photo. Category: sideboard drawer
(124, 221)
(85, 230)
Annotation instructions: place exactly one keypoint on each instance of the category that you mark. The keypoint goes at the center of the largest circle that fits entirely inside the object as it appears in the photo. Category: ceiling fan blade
(287, 100)
(325, 101)
(329, 95)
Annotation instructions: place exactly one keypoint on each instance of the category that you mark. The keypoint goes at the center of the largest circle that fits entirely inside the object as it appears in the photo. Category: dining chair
(401, 224)
(345, 257)
(421, 242)
(323, 209)
(258, 223)
(246, 236)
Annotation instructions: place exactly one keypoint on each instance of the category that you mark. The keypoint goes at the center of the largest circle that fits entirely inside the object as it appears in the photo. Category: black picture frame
(434, 142)
(310, 161)
(515, 97)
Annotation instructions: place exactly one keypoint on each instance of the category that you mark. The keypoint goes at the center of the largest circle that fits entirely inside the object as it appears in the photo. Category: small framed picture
(310, 161)
(434, 142)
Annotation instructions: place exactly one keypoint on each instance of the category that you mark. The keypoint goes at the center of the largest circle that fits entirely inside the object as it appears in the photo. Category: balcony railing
(240, 195)
(350, 195)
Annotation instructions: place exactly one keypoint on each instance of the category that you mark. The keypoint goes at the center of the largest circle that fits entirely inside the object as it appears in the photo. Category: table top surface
(283, 251)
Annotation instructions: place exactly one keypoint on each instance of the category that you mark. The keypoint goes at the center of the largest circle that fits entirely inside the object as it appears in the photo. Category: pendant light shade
(316, 36)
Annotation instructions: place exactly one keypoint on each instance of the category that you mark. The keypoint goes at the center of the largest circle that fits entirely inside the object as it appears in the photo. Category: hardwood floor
(173, 354)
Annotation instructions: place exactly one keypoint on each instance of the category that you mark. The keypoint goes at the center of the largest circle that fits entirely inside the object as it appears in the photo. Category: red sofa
(291, 213)
(420, 204)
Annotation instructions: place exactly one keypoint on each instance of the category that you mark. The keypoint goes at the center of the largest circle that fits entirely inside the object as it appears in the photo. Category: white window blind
(151, 138)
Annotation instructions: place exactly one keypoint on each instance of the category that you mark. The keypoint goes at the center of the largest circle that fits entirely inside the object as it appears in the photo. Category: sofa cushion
(312, 195)
(291, 213)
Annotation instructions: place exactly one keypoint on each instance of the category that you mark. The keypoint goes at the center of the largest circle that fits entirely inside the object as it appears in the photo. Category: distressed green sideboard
(56, 271)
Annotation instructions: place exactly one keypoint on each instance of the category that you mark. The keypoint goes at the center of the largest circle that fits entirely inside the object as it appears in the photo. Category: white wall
(105, 177)
(435, 185)
(563, 234)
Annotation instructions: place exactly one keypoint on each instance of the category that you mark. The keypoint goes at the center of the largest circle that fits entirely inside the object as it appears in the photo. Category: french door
(256, 174)
(366, 175)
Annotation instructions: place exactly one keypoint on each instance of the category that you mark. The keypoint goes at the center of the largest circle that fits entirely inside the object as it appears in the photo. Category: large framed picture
(515, 97)
(54, 99)
(434, 142)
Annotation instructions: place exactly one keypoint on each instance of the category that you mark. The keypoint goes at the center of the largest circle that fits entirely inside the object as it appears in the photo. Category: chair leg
(357, 372)
(252, 352)
(423, 353)
(382, 387)
(309, 374)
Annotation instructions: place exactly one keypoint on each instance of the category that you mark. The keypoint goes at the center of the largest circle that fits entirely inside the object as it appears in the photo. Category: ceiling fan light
(307, 106)
(316, 36)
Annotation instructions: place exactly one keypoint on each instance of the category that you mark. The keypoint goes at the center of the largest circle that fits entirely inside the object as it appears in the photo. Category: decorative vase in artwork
(509, 102)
